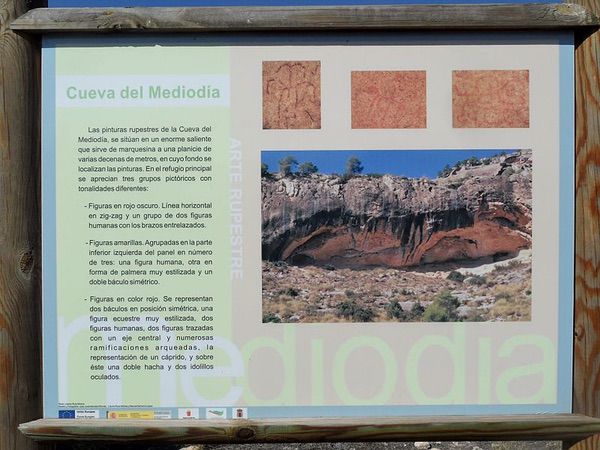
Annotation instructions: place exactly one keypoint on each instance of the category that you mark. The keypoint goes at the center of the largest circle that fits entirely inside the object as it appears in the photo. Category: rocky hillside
(479, 211)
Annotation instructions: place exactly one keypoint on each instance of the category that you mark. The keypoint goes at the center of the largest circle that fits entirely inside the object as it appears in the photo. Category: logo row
(182, 413)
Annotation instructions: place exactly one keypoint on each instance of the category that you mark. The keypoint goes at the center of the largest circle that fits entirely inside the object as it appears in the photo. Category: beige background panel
(315, 347)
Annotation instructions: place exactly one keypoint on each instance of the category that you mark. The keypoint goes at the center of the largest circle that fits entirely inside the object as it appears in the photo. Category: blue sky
(408, 163)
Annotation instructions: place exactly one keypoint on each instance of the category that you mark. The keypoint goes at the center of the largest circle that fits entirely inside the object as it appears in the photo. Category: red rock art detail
(291, 94)
(490, 98)
(389, 99)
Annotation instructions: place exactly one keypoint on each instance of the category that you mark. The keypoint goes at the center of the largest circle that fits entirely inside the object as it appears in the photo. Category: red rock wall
(479, 211)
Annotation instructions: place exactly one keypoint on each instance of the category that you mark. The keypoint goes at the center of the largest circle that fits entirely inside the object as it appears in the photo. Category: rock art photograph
(291, 94)
(396, 236)
(490, 98)
(389, 99)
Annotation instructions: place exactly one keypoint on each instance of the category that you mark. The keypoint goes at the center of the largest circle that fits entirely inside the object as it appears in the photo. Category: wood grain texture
(194, 19)
(587, 289)
(20, 325)
(586, 392)
(455, 428)
(592, 443)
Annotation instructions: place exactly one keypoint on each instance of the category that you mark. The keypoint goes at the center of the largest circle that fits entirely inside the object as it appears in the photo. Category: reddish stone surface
(490, 99)
(389, 99)
(380, 247)
(291, 94)
(476, 211)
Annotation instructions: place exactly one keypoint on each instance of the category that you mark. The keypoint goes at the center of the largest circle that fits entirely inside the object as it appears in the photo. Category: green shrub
(346, 309)
(353, 311)
(436, 313)
(286, 165)
(271, 318)
(447, 300)
(394, 310)
(473, 161)
(306, 169)
(456, 276)
(442, 309)
(264, 171)
(446, 171)
(291, 291)
(363, 315)
(353, 166)
(416, 312)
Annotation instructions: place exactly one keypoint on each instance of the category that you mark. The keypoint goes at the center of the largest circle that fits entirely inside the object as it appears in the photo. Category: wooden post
(20, 325)
(586, 392)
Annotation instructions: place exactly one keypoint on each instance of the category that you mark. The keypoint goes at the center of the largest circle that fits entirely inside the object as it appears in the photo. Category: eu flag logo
(66, 414)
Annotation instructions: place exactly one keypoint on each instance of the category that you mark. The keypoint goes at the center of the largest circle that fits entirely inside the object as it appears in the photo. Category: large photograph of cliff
(396, 236)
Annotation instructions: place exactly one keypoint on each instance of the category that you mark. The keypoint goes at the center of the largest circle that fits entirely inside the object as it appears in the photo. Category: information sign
(374, 226)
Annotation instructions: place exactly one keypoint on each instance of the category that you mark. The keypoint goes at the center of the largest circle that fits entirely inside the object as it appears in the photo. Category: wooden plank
(397, 17)
(586, 390)
(455, 428)
(20, 324)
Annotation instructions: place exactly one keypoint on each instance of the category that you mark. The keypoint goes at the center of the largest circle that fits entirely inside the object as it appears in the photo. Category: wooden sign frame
(20, 264)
